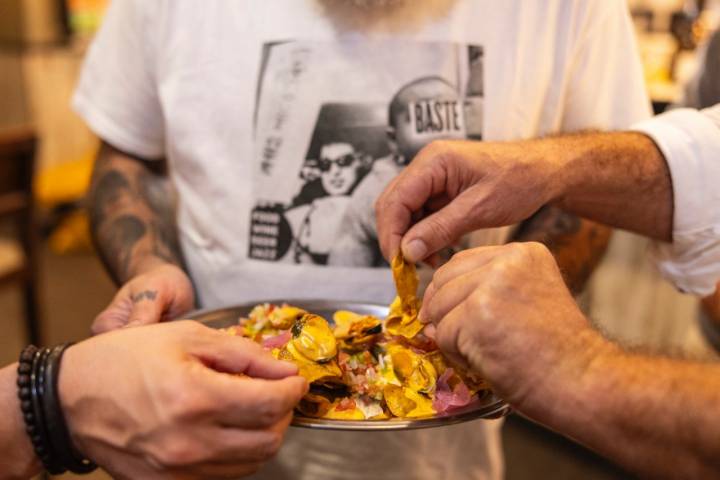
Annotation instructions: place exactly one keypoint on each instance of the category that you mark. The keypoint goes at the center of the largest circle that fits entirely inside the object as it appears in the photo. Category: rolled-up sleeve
(690, 142)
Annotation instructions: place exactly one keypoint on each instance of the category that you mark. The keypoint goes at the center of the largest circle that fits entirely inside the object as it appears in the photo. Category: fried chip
(406, 283)
(403, 317)
(406, 403)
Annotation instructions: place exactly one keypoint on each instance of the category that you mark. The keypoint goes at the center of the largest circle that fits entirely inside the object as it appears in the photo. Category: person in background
(227, 95)
(159, 402)
(490, 307)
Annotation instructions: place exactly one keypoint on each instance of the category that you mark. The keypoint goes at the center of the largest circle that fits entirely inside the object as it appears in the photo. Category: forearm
(18, 459)
(655, 416)
(132, 215)
(577, 244)
(619, 179)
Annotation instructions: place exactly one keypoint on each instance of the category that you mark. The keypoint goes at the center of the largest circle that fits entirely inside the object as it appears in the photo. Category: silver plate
(488, 406)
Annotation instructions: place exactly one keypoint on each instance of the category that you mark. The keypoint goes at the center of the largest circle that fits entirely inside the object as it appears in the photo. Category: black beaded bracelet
(37, 381)
(27, 375)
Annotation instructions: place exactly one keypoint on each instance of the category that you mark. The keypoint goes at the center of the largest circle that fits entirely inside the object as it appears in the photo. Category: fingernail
(415, 250)
(429, 331)
(422, 317)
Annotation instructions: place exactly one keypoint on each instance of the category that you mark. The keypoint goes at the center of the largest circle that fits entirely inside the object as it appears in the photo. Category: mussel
(313, 339)
(415, 371)
(356, 332)
(313, 372)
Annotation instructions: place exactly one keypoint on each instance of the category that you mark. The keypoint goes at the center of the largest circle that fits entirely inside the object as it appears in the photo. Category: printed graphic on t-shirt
(334, 123)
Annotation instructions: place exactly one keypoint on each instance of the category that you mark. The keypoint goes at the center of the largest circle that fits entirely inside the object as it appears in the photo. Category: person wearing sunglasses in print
(330, 180)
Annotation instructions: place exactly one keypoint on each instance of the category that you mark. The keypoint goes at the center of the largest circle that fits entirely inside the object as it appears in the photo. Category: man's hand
(506, 313)
(454, 187)
(176, 400)
(162, 293)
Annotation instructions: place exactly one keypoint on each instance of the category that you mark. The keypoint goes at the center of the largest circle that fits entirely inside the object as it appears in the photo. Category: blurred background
(52, 286)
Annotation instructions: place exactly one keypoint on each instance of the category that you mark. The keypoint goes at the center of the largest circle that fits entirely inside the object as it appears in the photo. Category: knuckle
(185, 402)
(271, 410)
(440, 229)
(480, 301)
(538, 249)
(269, 446)
(176, 453)
(192, 328)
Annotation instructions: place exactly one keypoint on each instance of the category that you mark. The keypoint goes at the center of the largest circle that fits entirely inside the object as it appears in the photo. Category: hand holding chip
(505, 312)
(454, 187)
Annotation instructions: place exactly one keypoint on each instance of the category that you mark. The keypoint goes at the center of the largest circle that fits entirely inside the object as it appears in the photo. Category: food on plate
(403, 317)
(360, 367)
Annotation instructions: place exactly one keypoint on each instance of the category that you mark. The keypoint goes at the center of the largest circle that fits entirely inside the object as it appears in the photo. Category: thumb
(230, 354)
(148, 307)
(440, 229)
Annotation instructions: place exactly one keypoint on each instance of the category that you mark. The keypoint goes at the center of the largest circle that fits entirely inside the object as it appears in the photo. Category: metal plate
(488, 406)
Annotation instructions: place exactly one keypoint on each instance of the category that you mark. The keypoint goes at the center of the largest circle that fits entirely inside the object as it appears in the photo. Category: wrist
(146, 264)
(558, 156)
(18, 459)
(71, 390)
(579, 392)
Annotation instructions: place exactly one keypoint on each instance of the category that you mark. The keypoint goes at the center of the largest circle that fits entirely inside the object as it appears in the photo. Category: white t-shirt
(690, 141)
(273, 113)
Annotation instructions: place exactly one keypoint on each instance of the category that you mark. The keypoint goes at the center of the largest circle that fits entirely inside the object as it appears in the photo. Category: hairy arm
(619, 179)
(655, 416)
(18, 460)
(131, 205)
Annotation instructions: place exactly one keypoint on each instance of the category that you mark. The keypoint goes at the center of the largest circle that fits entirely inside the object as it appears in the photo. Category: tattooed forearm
(578, 244)
(132, 215)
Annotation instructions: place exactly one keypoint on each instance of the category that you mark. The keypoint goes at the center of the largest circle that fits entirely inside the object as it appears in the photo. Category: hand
(505, 313)
(454, 187)
(161, 401)
(161, 293)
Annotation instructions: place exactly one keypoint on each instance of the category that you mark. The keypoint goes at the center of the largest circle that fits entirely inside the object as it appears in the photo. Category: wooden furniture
(18, 232)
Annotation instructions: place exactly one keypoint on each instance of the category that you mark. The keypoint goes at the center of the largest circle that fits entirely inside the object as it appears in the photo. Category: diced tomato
(346, 404)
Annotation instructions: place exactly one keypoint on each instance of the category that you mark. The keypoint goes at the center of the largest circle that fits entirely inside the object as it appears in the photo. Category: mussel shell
(414, 370)
(313, 338)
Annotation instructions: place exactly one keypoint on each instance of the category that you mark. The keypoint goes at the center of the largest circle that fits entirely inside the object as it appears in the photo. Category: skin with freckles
(505, 312)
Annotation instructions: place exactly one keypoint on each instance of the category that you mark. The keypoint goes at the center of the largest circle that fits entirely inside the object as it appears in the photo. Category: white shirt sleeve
(690, 141)
(116, 94)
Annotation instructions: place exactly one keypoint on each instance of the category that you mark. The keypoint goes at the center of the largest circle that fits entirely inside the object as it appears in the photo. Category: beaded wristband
(37, 380)
(27, 381)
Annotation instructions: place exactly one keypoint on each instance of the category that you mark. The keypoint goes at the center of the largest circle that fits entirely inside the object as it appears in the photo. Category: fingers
(442, 228)
(255, 402)
(452, 294)
(148, 306)
(403, 197)
(114, 316)
(227, 353)
(461, 263)
(446, 335)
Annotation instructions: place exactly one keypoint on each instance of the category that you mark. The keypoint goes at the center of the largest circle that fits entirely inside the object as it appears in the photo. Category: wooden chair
(18, 232)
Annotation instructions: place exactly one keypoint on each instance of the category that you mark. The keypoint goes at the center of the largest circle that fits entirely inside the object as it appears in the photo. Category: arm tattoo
(578, 244)
(132, 214)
